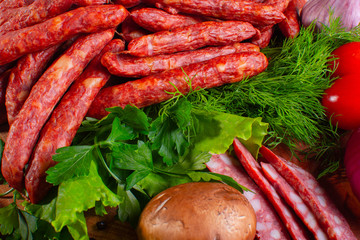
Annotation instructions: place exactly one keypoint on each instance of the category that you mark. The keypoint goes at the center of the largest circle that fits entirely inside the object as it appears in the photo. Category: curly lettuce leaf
(216, 132)
(79, 194)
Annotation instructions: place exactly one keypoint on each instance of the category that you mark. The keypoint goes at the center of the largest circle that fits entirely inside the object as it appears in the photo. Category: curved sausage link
(155, 88)
(156, 20)
(5, 4)
(89, 19)
(127, 3)
(264, 37)
(191, 37)
(125, 65)
(290, 27)
(130, 30)
(83, 3)
(255, 13)
(4, 78)
(23, 76)
(37, 12)
(63, 123)
(43, 97)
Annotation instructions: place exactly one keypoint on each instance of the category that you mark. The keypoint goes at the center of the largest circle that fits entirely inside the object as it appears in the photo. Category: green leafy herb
(8, 219)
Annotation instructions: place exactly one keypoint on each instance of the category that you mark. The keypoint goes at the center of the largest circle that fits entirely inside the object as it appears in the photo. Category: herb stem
(102, 160)
(7, 192)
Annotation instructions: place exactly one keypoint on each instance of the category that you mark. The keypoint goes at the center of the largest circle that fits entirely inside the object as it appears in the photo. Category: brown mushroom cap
(198, 210)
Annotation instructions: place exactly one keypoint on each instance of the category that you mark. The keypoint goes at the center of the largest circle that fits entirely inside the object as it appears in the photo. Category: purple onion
(347, 10)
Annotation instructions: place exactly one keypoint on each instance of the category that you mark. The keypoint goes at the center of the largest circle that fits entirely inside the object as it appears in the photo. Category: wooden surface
(336, 185)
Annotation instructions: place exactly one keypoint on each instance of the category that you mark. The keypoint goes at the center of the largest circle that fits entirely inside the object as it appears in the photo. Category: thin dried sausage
(63, 123)
(83, 3)
(268, 224)
(125, 65)
(43, 97)
(58, 29)
(328, 215)
(155, 88)
(127, 3)
(38, 11)
(263, 39)
(14, 4)
(255, 13)
(288, 193)
(156, 20)
(4, 79)
(131, 30)
(290, 27)
(280, 5)
(299, 4)
(191, 37)
(3, 85)
(252, 167)
(23, 76)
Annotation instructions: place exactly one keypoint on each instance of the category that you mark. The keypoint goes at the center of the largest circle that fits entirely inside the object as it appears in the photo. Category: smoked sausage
(38, 11)
(144, 17)
(23, 76)
(255, 13)
(127, 3)
(131, 30)
(280, 5)
(89, 19)
(63, 123)
(83, 3)
(155, 88)
(264, 37)
(4, 77)
(43, 97)
(14, 4)
(191, 37)
(125, 65)
(290, 27)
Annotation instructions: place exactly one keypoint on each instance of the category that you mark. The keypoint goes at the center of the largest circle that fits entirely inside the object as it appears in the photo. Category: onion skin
(352, 162)
(319, 10)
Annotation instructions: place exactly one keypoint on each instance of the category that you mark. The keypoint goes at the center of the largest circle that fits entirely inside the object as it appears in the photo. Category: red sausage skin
(154, 89)
(43, 97)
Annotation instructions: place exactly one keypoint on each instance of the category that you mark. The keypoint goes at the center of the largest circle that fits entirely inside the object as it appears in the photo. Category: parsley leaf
(8, 219)
(130, 209)
(168, 133)
(74, 161)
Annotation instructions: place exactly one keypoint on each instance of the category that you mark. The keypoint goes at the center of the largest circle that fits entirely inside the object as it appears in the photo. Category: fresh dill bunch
(288, 94)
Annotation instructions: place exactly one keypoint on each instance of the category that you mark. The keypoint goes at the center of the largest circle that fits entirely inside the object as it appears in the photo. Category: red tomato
(348, 61)
(342, 102)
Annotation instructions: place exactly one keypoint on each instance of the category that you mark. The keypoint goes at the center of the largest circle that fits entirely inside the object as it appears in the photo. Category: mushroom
(198, 210)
